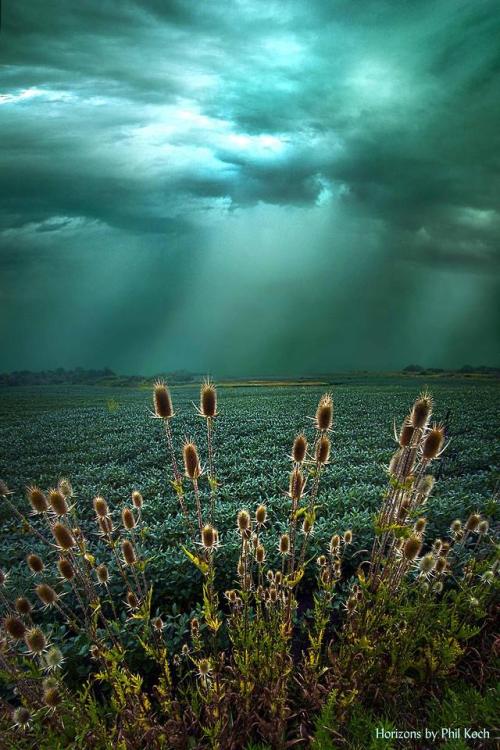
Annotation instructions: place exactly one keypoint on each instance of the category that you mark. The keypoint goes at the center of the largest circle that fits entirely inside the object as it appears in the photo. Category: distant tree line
(81, 376)
(465, 369)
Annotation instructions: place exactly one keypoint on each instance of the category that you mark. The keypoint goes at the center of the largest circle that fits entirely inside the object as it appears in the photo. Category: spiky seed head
(157, 623)
(456, 526)
(261, 515)
(323, 449)
(297, 483)
(325, 576)
(273, 594)
(324, 413)
(208, 400)
(37, 499)
(102, 573)
(21, 717)
(299, 448)
(132, 600)
(427, 563)
(284, 545)
(473, 522)
(441, 565)
(420, 525)
(64, 487)
(348, 536)
(46, 594)
(488, 577)
(278, 578)
(412, 547)
(204, 667)
(52, 697)
(445, 548)
(421, 411)
(483, 527)
(195, 625)
(260, 554)
(437, 546)
(425, 485)
(137, 499)
(14, 627)
(128, 552)
(65, 569)
(438, 587)
(351, 604)
(243, 520)
(35, 563)
(334, 544)
(128, 519)
(270, 576)
(23, 605)
(307, 524)
(35, 640)
(63, 536)
(105, 524)
(54, 658)
(58, 502)
(208, 537)
(185, 649)
(162, 400)
(406, 433)
(433, 443)
(191, 460)
(100, 506)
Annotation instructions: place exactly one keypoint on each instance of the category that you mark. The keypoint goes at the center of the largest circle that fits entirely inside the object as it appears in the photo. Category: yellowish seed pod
(137, 499)
(260, 515)
(284, 545)
(243, 520)
(100, 506)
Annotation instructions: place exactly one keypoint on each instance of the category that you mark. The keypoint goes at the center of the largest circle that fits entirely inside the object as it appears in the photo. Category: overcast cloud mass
(249, 187)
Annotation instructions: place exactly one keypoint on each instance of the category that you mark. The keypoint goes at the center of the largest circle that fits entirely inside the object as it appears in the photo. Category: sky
(249, 187)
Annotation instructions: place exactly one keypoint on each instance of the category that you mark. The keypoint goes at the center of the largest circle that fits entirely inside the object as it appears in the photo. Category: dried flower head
(243, 520)
(323, 450)
(334, 544)
(204, 668)
(433, 443)
(157, 623)
(347, 536)
(35, 563)
(420, 525)
(412, 547)
(35, 640)
(260, 515)
(21, 718)
(437, 546)
(23, 606)
(297, 484)
(406, 433)
(53, 659)
(106, 525)
(299, 448)
(128, 519)
(307, 524)
(52, 697)
(473, 522)
(321, 561)
(37, 500)
(260, 554)
(132, 600)
(421, 411)
(58, 502)
(128, 552)
(46, 594)
(64, 487)
(102, 573)
(456, 526)
(324, 413)
(63, 536)
(65, 569)
(425, 486)
(191, 460)
(162, 401)
(208, 537)
(137, 499)
(441, 565)
(427, 564)
(483, 527)
(208, 400)
(438, 587)
(195, 626)
(284, 544)
(14, 627)
(100, 506)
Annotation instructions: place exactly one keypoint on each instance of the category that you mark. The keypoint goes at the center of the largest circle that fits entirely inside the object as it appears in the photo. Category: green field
(105, 441)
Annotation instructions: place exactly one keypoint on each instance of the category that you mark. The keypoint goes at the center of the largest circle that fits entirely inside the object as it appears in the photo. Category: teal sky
(249, 188)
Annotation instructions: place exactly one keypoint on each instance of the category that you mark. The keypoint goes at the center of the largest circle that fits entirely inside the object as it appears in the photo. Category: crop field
(106, 442)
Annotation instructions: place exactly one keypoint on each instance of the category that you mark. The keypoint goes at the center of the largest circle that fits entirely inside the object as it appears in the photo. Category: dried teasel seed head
(208, 400)
(195, 625)
(58, 502)
(35, 563)
(433, 443)
(406, 433)
(208, 537)
(483, 527)
(425, 485)
(325, 576)
(46, 594)
(445, 548)
(64, 487)
(65, 569)
(53, 660)
(35, 640)
(323, 449)
(441, 565)
(437, 546)
(192, 466)
(128, 519)
(162, 400)
(321, 561)
(412, 547)
(157, 623)
(260, 554)
(427, 563)
(473, 522)
(299, 448)
(105, 524)
(456, 526)
(260, 515)
(270, 576)
(52, 697)
(21, 717)
(351, 604)
(204, 667)
(185, 649)
(438, 587)
(128, 552)
(23, 605)
(278, 578)
(297, 483)
(324, 413)
(273, 594)
(394, 463)
(37, 499)
(100, 506)
(102, 573)
(14, 627)
(348, 536)
(334, 544)
(420, 525)
(307, 524)
(284, 545)
(132, 600)
(421, 411)
(137, 499)
(63, 536)
(243, 520)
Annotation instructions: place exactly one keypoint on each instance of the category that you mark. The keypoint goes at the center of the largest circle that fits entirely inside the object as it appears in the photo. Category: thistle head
(483, 527)
(323, 450)
(324, 413)
(102, 573)
(21, 717)
(58, 502)
(260, 515)
(46, 594)
(433, 443)
(299, 448)
(421, 411)
(162, 400)
(284, 544)
(192, 466)
(208, 400)
(427, 563)
(63, 536)
(297, 484)
(307, 524)
(35, 563)
(132, 600)
(243, 521)
(334, 544)
(473, 522)
(441, 565)
(53, 658)
(64, 487)
(14, 627)
(209, 537)
(37, 499)
(35, 640)
(425, 486)
(128, 552)
(105, 524)
(260, 554)
(128, 519)
(23, 606)
(65, 569)
(52, 697)
(406, 433)
(420, 525)
(456, 526)
(100, 506)
(204, 667)
(157, 623)
(412, 547)
(137, 499)
(348, 536)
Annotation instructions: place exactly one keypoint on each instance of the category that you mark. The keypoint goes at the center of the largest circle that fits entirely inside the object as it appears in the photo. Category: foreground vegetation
(305, 646)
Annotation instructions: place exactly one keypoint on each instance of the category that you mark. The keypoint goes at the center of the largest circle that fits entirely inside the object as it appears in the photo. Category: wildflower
(299, 448)
(421, 411)
(35, 563)
(23, 606)
(37, 500)
(58, 502)
(53, 659)
(162, 401)
(63, 536)
(21, 718)
(100, 506)
(191, 460)
(14, 627)
(35, 640)
(128, 519)
(208, 400)
(260, 515)
(324, 413)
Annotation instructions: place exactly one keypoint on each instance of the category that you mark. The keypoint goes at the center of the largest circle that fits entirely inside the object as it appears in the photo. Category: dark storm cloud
(161, 127)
